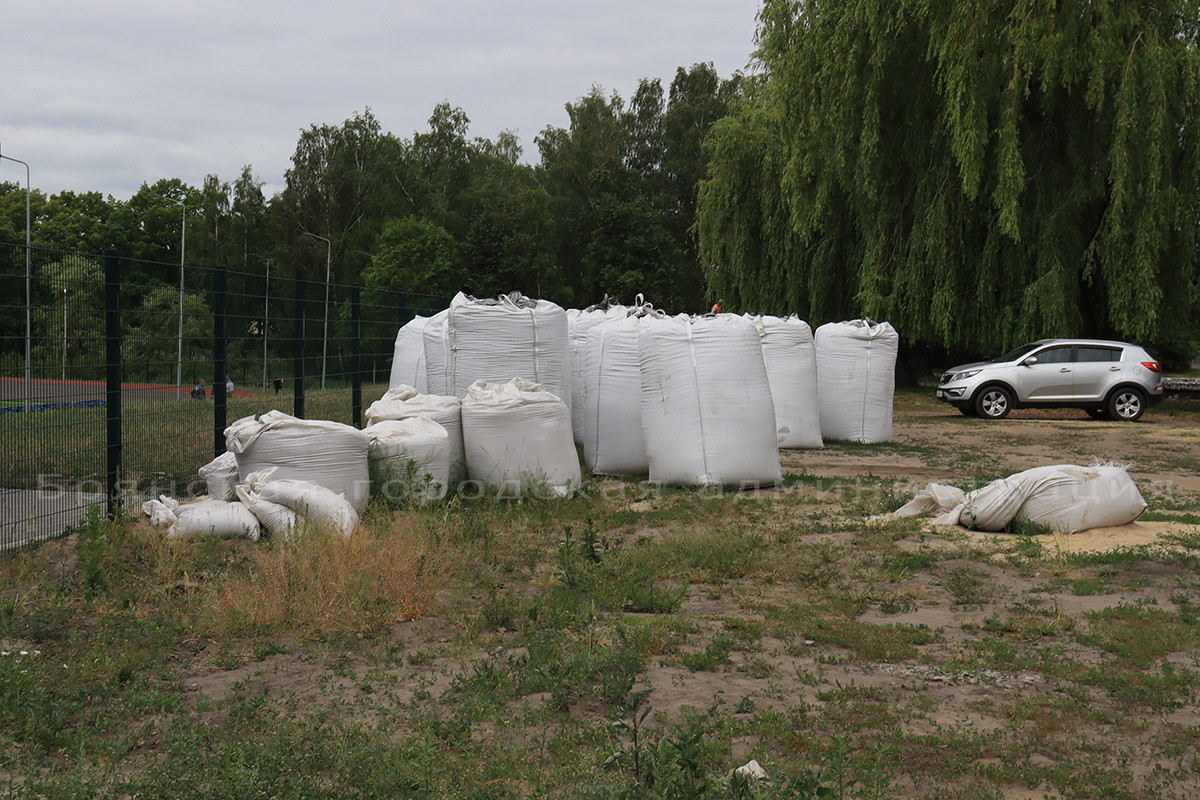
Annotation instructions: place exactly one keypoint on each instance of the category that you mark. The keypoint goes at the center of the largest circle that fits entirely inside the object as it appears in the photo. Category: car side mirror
(1029, 362)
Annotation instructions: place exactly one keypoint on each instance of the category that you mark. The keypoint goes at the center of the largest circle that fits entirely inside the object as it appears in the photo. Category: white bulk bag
(613, 442)
(329, 454)
(856, 378)
(408, 359)
(511, 337)
(791, 361)
(518, 438)
(404, 402)
(203, 519)
(1065, 497)
(706, 406)
(411, 458)
(578, 325)
(221, 476)
(316, 505)
(437, 353)
(277, 521)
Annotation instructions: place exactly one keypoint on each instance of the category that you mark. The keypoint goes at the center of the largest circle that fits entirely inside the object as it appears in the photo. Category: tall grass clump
(319, 580)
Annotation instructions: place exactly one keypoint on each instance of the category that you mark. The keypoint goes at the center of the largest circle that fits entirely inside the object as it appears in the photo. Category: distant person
(278, 384)
(716, 309)
(198, 391)
(228, 386)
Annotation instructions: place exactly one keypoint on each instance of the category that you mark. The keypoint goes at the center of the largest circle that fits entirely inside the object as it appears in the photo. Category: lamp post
(182, 251)
(266, 316)
(325, 333)
(64, 354)
(28, 287)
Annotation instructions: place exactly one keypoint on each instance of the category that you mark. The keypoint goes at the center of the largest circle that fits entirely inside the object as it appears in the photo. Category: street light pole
(182, 252)
(325, 333)
(64, 353)
(266, 316)
(28, 288)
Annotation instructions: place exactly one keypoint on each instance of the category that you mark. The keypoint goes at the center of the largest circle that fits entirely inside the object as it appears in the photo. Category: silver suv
(1108, 380)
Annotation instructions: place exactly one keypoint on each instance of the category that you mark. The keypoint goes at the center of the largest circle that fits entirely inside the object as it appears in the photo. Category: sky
(106, 96)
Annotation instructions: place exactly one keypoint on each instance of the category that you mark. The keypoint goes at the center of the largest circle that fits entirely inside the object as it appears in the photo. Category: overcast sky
(106, 96)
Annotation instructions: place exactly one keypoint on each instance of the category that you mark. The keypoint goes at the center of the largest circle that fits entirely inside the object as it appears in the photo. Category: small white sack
(203, 519)
(315, 504)
(277, 521)
(706, 405)
(329, 454)
(790, 356)
(518, 438)
(404, 402)
(856, 379)
(1065, 497)
(408, 359)
(410, 458)
(221, 476)
(161, 511)
(578, 325)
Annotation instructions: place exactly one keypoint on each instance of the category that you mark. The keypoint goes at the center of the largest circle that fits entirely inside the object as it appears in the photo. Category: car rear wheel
(993, 402)
(1126, 405)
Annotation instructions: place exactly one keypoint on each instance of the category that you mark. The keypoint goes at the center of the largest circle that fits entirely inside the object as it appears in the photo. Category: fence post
(298, 350)
(220, 362)
(356, 353)
(112, 360)
(402, 306)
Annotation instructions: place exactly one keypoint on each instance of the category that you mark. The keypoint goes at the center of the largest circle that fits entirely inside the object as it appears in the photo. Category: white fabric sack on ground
(329, 454)
(437, 353)
(511, 337)
(707, 413)
(790, 356)
(1065, 497)
(408, 359)
(518, 439)
(411, 458)
(221, 476)
(277, 521)
(314, 504)
(578, 324)
(856, 379)
(202, 519)
(404, 402)
(613, 441)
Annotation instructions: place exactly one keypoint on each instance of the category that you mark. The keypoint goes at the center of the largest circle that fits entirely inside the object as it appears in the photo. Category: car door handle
(1065, 369)
(1114, 369)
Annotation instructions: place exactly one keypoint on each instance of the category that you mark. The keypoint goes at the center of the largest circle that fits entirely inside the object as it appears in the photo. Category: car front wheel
(994, 402)
(1126, 405)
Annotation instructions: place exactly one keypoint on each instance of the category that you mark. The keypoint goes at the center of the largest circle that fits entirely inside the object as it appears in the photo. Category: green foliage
(417, 255)
(977, 175)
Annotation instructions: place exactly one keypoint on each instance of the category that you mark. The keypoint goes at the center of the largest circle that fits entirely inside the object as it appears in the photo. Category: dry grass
(322, 581)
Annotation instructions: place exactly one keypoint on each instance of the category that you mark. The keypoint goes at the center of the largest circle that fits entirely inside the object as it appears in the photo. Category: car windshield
(1013, 355)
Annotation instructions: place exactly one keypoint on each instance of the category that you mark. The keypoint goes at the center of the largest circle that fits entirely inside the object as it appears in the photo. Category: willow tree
(976, 173)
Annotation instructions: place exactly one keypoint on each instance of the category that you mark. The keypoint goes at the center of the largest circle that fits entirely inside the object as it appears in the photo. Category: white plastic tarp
(1065, 497)
(408, 359)
(856, 379)
(518, 439)
(707, 413)
(790, 357)
(578, 324)
(328, 454)
(509, 337)
(404, 402)
(410, 458)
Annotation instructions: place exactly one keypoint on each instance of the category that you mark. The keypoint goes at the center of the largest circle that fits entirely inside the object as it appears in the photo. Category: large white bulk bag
(856, 379)
(578, 325)
(203, 519)
(613, 441)
(404, 402)
(437, 353)
(315, 504)
(791, 361)
(410, 458)
(1065, 497)
(511, 337)
(408, 359)
(706, 406)
(518, 439)
(221, 476)
(326, 453)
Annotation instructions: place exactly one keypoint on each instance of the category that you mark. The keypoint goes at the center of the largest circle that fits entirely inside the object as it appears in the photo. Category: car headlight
(962, 376)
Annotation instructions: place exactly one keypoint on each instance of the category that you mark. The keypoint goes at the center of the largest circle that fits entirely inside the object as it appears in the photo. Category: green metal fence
(101, 371)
